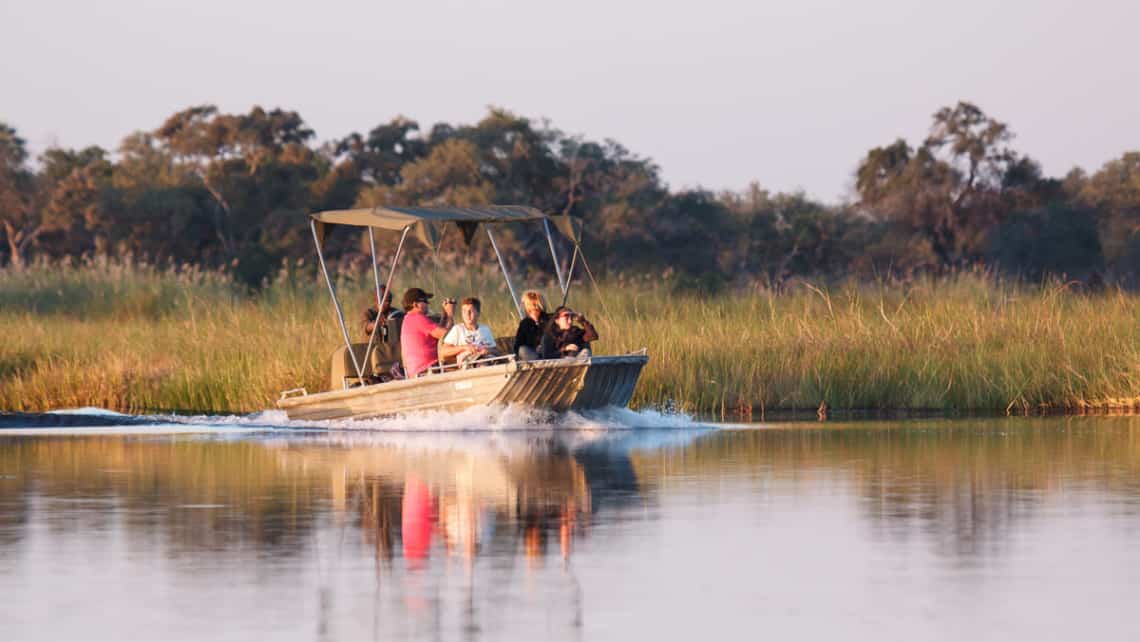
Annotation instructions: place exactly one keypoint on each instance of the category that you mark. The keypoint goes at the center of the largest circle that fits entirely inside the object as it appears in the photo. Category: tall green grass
(141, 338)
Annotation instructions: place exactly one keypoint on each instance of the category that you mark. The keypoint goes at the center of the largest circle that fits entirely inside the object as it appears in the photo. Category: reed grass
(141, 338)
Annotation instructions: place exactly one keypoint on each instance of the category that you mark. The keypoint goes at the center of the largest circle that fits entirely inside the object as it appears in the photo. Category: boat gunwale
(506, 369)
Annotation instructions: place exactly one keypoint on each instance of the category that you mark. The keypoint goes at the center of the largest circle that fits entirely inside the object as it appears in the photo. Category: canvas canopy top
(428, 223)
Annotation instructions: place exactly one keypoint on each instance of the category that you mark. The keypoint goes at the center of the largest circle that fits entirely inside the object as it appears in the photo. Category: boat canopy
(428, 222)
(397, 218)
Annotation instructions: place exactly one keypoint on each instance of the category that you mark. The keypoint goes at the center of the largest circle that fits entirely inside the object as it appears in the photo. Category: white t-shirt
(459, 335)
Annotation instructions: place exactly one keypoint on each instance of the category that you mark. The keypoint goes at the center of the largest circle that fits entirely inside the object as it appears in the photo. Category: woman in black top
(564, 339)
(529, 335)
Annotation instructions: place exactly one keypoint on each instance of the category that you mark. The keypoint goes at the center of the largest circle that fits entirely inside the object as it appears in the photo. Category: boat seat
(506, 345)
(342, 373)
(394, 325)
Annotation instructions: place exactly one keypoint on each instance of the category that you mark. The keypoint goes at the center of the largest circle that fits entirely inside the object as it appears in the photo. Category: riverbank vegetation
(231, 190)
(137, 338)
(956, 276)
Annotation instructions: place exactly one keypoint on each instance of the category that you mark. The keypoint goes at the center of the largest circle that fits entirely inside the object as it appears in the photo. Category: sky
(719, 93)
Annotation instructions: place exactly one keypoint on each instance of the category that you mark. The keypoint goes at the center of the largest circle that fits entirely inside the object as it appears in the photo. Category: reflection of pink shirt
(416, 518)
(417, 347)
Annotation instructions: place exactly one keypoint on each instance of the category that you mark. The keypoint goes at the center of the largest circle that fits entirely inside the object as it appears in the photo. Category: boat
(556, 385)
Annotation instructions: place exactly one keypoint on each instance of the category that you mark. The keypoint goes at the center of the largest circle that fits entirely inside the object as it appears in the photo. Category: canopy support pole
(506, 274)
(387, 289)
(570, 274)
(435, 262)
(379, 302)
(336, 302)
(597, 290)
(396, 258)
(554, 255)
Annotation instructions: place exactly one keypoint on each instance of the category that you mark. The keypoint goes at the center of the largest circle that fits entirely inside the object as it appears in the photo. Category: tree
(912, 188)
(1115, 191)
(953, 188)
(379, 157)
(614, 191)
(19, 216)
(449, 175)
(79, 201)
(1054, 240)
(235, 156)
(515, 157)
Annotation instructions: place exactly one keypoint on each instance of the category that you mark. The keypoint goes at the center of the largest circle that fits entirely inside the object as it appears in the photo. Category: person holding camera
(564, 339)
(420, 334)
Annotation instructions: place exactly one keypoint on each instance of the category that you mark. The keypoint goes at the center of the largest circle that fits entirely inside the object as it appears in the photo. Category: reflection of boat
(555, 384)
(467, 495)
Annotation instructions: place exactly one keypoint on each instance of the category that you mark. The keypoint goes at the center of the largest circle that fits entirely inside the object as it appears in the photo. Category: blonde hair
(533, 299)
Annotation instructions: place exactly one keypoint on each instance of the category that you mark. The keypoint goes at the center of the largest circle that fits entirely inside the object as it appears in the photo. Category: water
(619, 527)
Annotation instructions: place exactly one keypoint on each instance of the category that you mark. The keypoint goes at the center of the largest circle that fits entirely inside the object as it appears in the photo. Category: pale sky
(718, 92)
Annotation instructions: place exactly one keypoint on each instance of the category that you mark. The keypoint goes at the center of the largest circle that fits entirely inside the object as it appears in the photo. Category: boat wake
(476, 419)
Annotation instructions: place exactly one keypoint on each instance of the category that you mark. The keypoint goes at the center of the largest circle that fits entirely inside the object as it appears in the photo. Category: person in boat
(470, 340)
(420, 334)
(564, 339)
(528, 338)
(379, 315)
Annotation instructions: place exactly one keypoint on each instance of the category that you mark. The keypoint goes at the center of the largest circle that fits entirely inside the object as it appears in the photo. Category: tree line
(232, 191)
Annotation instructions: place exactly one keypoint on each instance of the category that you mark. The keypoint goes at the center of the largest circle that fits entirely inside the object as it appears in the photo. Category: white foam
(87, 410)
(126, 429)
(478, 418)
(475, 419)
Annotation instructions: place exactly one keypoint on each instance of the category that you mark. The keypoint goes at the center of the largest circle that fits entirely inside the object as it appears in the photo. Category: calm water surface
(1011, 529)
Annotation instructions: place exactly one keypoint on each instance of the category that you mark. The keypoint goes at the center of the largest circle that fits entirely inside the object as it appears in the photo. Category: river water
(634, 527)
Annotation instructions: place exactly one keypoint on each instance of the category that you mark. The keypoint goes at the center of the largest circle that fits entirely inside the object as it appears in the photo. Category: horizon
(834, 84)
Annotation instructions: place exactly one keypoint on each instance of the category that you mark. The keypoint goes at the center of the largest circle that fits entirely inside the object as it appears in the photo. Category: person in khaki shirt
(378, 315)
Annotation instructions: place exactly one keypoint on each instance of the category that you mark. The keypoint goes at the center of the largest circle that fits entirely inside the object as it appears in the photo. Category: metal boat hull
(557, 385)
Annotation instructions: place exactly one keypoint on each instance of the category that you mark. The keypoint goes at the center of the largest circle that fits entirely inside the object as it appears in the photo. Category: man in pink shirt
(419, 336)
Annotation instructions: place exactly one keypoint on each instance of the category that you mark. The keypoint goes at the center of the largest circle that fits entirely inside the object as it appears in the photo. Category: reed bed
(141, 338)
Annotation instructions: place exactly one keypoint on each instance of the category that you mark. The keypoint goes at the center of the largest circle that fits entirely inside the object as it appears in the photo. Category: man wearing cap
(419, 337)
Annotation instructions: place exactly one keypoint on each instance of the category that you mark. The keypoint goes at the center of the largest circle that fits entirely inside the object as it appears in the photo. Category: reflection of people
(564, 339)
(464, 521)
(529, 335)
(378, 512)
(419, 336)
(469, 340)
(534, 542)
(566, 523)
(416, 518)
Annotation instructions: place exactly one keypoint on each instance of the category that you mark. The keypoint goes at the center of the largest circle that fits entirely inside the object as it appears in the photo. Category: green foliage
(449, 175)
(219, 189)
(1055, 240)
(19, 216)
(953, 188)
(1114, 191)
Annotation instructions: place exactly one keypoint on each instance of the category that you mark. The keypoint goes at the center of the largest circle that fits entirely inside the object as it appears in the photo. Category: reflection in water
(961, 485)
(554, 535)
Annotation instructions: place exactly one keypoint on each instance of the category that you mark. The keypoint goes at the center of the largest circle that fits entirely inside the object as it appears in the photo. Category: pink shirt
(417, 347)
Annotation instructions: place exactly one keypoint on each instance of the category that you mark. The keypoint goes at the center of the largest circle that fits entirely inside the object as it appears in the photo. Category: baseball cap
(415, 294)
